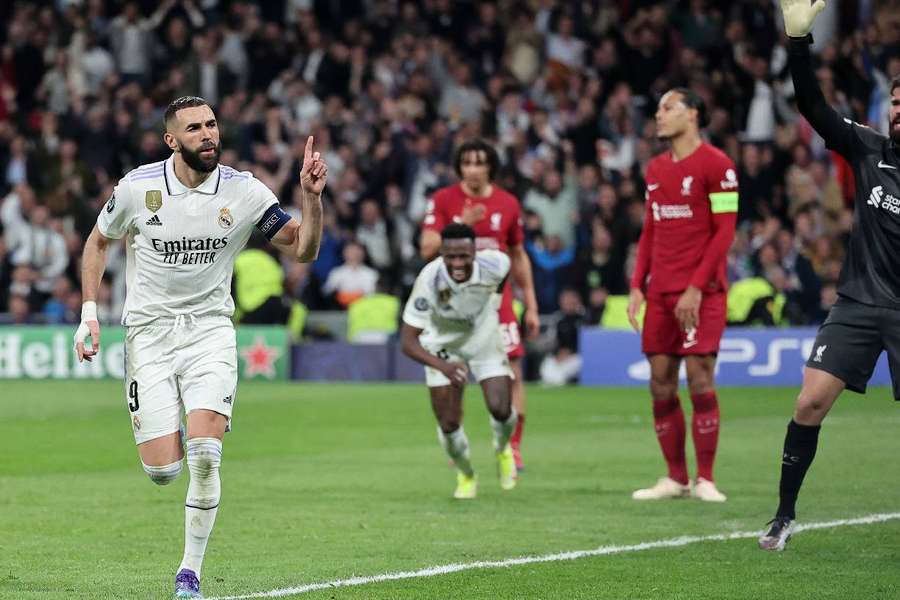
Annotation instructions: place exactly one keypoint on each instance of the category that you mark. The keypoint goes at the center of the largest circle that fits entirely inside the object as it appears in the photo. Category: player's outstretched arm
(457, 373)
(313, 176)
(93, 263)
(799, 16)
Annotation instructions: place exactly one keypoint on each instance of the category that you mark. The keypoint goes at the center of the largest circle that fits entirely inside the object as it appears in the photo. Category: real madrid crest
(225, 218)
(444, 296)
(153, 200)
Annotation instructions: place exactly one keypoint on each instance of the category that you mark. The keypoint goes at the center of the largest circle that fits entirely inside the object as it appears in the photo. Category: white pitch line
(525, 560)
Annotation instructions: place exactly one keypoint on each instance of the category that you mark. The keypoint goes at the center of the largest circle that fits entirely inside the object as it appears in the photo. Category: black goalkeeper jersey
(871, 271)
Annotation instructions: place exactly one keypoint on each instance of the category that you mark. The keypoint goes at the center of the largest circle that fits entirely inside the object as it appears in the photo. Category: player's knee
(501, 414)
(449, 424)
(204, 456)
(662, 390)
(500, 408)
(665, 407)
(809, 407)
(700, 386)
(163, 475)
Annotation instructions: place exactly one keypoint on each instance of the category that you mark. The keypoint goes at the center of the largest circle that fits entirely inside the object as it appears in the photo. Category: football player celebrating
(450, 325)
(186, 219)
(495, 215)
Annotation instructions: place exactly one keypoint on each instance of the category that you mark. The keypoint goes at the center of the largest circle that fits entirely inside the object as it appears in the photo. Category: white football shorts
(488, 361)
(174, 366)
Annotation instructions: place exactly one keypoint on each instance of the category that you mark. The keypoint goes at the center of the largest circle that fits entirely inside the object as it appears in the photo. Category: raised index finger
(307, 152)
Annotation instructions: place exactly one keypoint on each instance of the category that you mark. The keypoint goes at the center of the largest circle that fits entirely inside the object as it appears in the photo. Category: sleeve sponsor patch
(272, 221)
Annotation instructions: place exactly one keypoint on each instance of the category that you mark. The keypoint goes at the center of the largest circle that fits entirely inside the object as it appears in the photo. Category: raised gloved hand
(799, 16)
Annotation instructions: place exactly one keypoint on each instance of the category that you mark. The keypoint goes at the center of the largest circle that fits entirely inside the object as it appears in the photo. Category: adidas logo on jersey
(154, 220)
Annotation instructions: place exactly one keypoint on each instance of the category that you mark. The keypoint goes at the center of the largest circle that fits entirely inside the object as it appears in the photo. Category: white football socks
(204, 455)
(503, 429)
(456, 445)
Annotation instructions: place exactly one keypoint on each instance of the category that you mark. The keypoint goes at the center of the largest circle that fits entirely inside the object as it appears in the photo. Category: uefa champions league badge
(111, 203)
(225, 218)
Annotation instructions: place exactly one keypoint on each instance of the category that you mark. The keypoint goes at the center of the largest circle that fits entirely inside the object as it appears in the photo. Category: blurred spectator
(550, 263)
(555, 202)
(19, 167)
(598, 271)
(19, 312)
(372, 233)
(352, 279)
(55, 307)
(563, 364)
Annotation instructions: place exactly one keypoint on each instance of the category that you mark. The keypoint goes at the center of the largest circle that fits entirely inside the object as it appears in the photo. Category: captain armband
(723, 202)
(272, 221)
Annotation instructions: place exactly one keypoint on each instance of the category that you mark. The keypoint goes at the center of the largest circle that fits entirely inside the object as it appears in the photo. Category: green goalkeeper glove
(799, 16)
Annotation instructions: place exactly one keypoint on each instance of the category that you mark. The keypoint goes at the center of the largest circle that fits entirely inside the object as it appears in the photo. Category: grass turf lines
(327, 482)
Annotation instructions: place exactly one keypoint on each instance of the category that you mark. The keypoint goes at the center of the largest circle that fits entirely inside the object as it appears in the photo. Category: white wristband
(89, 311)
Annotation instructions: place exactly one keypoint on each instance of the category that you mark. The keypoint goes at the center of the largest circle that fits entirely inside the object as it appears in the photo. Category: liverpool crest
(153, 200)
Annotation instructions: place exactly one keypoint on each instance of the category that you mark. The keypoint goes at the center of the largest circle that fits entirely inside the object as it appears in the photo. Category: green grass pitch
(325, 482)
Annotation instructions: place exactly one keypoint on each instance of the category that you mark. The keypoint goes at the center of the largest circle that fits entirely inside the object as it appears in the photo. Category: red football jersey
(691, 212)
(501, 226)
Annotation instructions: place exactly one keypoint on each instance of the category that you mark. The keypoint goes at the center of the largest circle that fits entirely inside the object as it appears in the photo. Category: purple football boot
(187, 584)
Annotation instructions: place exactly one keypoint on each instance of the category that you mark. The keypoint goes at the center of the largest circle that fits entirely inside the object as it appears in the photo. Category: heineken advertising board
(45, 352)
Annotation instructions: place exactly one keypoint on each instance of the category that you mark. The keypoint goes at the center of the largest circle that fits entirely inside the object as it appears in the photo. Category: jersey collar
(174, 187)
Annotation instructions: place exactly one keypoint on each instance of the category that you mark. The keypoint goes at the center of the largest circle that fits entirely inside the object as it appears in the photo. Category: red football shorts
(663, 335)
(509, 325)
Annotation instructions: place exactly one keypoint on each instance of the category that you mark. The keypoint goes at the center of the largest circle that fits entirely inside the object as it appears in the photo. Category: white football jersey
(182, 242)
(458, 316)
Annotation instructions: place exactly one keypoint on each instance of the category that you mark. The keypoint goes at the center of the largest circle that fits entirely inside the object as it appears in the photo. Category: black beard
(894, 132)
(198, 163)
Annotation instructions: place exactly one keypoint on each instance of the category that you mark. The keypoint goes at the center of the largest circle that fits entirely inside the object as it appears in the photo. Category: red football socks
(670, 431)
(705, 429)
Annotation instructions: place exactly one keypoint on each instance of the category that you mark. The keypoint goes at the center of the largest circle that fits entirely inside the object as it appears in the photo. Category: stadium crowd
(565, 90)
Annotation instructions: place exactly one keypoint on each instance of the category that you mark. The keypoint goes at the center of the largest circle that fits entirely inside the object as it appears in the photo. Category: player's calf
(204, 456)
(165, 474)
(503, 429)
(456, 445)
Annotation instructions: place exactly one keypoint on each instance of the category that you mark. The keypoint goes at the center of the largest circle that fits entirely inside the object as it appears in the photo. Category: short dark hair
(477, 145)
(693, 100)
(895, 83)
(179, 103)
(457, 231)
